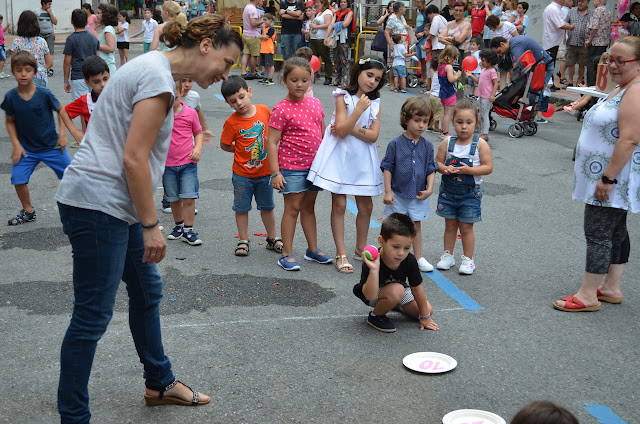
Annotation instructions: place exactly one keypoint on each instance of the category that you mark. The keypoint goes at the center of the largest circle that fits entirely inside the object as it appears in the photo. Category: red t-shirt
(83, 105)
(478, 18)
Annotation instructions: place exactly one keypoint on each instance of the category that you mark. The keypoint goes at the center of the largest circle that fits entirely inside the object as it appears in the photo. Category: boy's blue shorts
(55, 159)
(400, 71)
(245, 189)
(3, 55)
(181, 182)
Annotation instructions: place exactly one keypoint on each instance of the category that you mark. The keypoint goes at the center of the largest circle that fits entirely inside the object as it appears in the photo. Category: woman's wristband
(148, 227)
(424, 316)
(66, 82)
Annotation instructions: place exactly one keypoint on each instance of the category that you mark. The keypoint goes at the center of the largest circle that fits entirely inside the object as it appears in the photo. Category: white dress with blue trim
(348, 165)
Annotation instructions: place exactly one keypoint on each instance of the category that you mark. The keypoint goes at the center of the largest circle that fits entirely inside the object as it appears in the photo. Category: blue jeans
(181, 182)
(105, 251)
(246, 188)
(289, 43)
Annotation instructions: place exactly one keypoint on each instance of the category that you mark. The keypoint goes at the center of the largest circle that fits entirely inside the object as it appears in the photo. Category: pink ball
(370, 252)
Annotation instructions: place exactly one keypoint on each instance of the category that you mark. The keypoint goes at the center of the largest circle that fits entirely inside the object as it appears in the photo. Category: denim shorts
(417, 210)
(245, 189)
(54, 159)
(400, 71)
(460, 203)
(3, 55)
(297, 181)
(181, 182)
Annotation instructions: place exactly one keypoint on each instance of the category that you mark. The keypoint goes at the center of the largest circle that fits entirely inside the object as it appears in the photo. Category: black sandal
(242, 249)
(172, 400)
(271, 244)
(23, 217)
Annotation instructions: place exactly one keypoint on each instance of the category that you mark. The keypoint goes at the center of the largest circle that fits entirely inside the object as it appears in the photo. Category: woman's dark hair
(125, 15)
(109, 14)
(210, 26)
(432, 8)
(79, 18)
(544, 412)
(490, 56)
(525, 6)
(364, 63)
(397, 223)
(348, 3)
(88, 7)
(28, 25)
(492, 22)
(397, 5)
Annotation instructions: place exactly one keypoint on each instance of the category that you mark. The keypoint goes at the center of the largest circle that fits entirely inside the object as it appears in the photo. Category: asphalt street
(272, 346)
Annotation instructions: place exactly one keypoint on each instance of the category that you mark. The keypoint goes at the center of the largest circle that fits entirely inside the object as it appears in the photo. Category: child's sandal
(271, 244)
(242, 249)
(23, 217)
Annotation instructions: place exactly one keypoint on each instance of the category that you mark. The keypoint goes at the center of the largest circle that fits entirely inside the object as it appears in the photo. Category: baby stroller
(519, 99)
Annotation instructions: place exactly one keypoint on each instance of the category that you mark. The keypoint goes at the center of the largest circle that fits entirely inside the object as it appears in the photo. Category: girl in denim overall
(462, 160)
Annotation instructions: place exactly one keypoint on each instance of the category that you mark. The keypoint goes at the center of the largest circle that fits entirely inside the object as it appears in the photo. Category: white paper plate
(472, 416)
(429, 362)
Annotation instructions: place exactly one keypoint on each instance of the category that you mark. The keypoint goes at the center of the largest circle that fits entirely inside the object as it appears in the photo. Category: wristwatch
(606, 180)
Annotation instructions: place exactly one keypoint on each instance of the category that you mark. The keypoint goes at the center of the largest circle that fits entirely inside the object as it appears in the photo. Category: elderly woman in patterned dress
(607, 180)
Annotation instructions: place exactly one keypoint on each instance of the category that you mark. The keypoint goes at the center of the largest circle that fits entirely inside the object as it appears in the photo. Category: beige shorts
(562, 52)
(575, 55)
(251, 46)
(436, 107)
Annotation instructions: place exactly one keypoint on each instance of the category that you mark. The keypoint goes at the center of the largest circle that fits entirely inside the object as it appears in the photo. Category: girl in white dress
(347, 161)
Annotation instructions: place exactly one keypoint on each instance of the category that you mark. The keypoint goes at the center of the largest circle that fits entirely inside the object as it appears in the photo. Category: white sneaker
(424, 265)
(467, 266)
(446, 261)
(3, 75)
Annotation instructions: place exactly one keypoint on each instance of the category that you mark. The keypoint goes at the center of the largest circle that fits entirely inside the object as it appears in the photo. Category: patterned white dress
(595, 147)
(348, 165)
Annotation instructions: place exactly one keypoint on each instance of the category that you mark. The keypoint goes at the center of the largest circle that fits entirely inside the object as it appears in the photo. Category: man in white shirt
(554, 26)
(47, 19)
(438, 22)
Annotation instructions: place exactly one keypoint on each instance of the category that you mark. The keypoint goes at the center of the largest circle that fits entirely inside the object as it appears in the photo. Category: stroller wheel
(492, 124)
(412, 81)
(529, 128)
(516, 130)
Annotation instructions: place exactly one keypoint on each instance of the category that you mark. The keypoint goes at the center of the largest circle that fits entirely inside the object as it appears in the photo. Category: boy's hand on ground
(207, 136)
(428, 324)
(389, 199)
(155, 246)
(18, 153)
(195, 155)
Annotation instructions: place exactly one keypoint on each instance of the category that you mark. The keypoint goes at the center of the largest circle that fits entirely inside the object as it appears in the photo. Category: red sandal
(609, 299)
(573, 304)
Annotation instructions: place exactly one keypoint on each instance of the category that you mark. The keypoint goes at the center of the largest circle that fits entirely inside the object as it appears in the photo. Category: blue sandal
(23, 217)
(288, 265)
(318, 257)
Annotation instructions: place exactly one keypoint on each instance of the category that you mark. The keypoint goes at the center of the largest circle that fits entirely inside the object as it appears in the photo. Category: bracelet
(424, 316)
(147, 227)
(275, 175)
(66, 82)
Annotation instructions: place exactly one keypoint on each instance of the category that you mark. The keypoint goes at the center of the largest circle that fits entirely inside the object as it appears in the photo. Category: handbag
(333, 41)
(412, 36)
(379, 43)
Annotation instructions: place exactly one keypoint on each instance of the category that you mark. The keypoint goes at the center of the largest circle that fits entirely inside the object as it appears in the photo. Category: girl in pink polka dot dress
(295, 132)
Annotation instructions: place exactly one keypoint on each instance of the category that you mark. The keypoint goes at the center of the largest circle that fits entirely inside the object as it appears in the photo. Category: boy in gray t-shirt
(47, 19)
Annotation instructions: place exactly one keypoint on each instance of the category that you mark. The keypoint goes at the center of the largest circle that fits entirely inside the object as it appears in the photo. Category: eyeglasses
(608, 61)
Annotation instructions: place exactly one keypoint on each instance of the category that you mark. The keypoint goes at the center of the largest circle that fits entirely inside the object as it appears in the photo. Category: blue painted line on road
(219, 96)
(604, 414)
(351, 207)
(453, 291)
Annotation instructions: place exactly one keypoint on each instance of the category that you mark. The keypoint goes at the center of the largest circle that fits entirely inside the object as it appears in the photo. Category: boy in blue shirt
(32, 131)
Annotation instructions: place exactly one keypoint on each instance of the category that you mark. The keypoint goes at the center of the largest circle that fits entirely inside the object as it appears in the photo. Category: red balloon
(469, 64)
(315, 63)
(549, 112)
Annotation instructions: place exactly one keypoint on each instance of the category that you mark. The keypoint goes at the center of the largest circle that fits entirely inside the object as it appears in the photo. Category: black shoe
(50, 72)
(327, 81)
(554, 88)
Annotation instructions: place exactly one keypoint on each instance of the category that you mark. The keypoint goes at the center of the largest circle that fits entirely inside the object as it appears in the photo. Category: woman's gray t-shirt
(96, 179)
